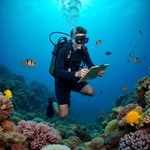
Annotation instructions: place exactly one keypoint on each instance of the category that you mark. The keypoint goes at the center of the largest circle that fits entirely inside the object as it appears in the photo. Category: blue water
(25, 26)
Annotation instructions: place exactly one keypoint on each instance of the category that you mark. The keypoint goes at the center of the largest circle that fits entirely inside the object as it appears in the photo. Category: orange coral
(8, 125)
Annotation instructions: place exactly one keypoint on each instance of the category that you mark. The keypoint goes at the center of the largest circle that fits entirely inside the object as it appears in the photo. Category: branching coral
(139, 140)
(6, 107)
(38, 134)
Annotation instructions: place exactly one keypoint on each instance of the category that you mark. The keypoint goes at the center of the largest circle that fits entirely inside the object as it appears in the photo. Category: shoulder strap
(68, 54)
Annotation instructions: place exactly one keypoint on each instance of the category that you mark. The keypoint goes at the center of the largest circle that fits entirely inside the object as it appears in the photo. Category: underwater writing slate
(93, 72)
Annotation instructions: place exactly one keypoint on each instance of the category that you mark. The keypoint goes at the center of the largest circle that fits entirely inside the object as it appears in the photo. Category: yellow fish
(8, 94)
(133, 117)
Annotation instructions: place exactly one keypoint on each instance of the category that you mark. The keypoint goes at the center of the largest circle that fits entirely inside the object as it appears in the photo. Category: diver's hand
(101, 73)
(81, 73)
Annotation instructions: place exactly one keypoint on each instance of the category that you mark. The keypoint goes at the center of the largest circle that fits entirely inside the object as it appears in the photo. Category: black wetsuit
(65, 80)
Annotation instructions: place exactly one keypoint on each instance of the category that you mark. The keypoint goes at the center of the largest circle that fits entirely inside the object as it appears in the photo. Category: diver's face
(76, 36)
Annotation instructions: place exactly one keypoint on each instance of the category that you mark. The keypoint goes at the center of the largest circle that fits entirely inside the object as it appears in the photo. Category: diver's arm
(88, 61)
(59, 69)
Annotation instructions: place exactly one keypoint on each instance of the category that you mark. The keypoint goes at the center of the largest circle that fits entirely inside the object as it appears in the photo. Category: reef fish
(124, 89)
(108, 53)
(98, 42)
(28, 63)
(133, 117)
(137, 60)
(140, 31)
(8, 94)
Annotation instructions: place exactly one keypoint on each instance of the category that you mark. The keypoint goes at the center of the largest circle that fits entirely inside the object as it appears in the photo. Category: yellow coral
(15, 138)
(117, 109)
(112, 126)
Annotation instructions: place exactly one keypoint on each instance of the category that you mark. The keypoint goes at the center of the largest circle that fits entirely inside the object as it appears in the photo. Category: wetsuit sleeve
(88, 61)
(60, 72)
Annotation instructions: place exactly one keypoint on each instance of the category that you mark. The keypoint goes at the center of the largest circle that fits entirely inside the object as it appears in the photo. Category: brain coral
(112, 126)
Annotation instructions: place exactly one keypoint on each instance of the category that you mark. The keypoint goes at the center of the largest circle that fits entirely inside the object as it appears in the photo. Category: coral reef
(71, 142)
(41, 136)
(110, 130)
(15, 138)
(18, 147)
(142, 87)
(124, 111)
(126, 99)
(139, 140)
(147, 117)
(7, 125)
(56, 147)
(6, 107)
(112, 126)
(96, 143)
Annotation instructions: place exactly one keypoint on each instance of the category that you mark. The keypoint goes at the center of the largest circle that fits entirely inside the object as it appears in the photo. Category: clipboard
(92, 74)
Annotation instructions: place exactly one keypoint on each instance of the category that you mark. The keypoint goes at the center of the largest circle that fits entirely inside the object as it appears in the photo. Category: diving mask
(81, 39)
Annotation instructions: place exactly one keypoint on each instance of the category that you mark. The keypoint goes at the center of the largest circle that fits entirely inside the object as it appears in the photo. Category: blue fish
(108, 53)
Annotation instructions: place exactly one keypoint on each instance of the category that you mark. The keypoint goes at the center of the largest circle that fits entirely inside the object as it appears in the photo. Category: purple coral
(139, 140)
(38, 134)
(6, 107)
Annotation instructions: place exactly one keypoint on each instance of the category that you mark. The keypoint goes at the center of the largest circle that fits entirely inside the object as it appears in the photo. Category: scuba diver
(67, 67)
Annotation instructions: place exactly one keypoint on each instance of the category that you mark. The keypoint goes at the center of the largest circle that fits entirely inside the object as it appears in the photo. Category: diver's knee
(91, 92)
(63, 115)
